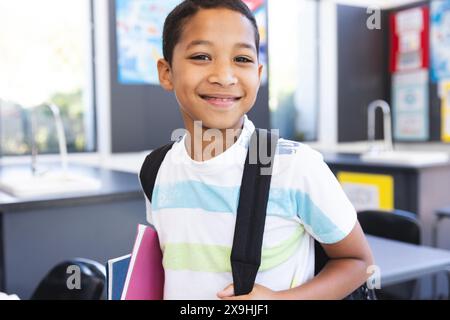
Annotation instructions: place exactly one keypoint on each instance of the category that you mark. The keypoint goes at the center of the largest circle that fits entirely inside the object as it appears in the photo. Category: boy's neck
(207, 143)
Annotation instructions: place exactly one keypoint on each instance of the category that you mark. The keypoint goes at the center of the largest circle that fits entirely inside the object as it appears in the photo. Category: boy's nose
(223, 75)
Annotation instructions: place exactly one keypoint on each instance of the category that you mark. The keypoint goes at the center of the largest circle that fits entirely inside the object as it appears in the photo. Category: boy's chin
(223, 122)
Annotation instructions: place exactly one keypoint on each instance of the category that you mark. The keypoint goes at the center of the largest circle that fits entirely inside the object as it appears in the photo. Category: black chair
(441, 214)
(397, 225)
(55, 286)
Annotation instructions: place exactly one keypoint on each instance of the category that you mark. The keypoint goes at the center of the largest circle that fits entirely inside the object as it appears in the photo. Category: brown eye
(203, 57)
(243, 60)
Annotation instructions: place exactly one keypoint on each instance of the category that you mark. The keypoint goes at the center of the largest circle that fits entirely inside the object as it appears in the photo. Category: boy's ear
(260, 72)
(165, 75)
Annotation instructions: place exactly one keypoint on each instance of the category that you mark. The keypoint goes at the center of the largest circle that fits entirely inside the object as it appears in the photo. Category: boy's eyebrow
(209, 43)
(245, 46)
(198, 43)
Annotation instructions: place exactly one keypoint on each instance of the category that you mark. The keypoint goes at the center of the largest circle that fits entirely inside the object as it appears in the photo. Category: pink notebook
(145, 276)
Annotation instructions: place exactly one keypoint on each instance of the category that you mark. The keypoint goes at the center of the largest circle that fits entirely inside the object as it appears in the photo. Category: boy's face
(215, 72)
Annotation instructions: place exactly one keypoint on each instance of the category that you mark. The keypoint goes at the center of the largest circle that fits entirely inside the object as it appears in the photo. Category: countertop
(115, 186)
(350, 154)
(354, 159)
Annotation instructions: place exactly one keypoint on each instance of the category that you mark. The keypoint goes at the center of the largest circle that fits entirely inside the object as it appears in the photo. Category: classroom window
(46, 56)
(294, 68)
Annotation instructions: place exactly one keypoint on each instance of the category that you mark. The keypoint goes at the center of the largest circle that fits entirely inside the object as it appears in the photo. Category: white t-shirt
(4, 296)
(194, 205)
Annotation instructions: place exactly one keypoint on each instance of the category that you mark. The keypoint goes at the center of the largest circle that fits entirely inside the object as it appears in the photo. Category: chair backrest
(54, 286)
(397, 225)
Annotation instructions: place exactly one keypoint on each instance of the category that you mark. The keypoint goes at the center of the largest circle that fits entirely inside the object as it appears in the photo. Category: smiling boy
(217, 93)
(211, 63)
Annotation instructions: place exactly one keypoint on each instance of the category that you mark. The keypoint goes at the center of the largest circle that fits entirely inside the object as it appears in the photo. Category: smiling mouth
(219, 99)
(221, 102)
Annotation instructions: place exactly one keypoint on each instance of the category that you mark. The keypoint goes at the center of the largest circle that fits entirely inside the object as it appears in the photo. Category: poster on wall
(410, 106)
(259, 9)
(440, 40)
(139, 27)
(409, 40)
(445, 114)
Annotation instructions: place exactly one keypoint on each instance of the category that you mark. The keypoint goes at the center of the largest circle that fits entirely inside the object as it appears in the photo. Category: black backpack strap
(251, 212)
(150, 168)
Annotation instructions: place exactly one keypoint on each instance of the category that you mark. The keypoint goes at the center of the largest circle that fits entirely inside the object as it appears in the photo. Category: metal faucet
(61, 139)
(387, 127)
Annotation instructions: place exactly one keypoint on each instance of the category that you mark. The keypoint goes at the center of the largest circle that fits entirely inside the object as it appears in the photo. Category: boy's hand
(258, 293)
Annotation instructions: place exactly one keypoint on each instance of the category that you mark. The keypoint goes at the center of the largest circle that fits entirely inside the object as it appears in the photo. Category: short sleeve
(323, 207)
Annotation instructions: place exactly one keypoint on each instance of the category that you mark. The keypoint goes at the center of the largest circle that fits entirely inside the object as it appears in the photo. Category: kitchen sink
(52, 182)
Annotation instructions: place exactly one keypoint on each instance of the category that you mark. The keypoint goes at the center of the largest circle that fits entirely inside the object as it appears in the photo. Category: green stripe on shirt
(215, 258)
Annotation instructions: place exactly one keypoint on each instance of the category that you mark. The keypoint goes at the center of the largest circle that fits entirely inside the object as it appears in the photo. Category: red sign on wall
(409, 40)
(254, 4)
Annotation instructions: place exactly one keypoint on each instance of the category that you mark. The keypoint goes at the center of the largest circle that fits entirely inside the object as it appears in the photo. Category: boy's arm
(345, 271)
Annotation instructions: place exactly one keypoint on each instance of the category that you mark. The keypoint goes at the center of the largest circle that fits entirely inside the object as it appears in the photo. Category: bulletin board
(139, 28)
(259, 9)
(415, 104)
(440, 40)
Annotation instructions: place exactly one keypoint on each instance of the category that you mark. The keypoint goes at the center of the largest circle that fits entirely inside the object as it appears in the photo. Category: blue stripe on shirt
(286, 203)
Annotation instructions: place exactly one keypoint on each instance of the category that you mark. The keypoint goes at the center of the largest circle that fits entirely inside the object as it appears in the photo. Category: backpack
(251, 212)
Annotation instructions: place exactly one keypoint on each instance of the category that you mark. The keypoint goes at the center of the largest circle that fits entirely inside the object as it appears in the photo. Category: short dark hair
(178, 17)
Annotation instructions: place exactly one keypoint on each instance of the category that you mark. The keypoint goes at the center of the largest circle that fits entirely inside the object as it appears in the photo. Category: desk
(420, 189)
(399, 261)
(37, 233)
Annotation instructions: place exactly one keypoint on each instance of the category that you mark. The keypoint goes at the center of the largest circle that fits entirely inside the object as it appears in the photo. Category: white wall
(327, 131)
(306, 98)
(102, 77)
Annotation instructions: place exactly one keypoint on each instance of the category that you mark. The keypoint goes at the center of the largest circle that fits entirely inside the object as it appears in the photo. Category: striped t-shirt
(194, 205)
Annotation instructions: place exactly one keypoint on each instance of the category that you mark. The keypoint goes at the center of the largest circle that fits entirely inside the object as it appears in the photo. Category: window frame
(89, 90)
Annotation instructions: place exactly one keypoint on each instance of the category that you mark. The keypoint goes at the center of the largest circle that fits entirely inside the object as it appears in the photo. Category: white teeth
(221, 99)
